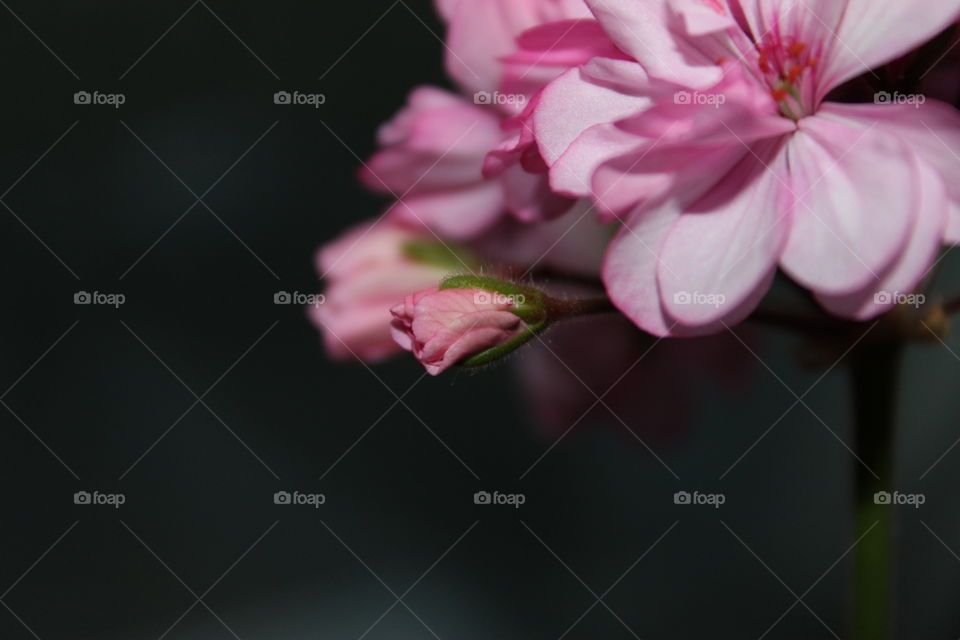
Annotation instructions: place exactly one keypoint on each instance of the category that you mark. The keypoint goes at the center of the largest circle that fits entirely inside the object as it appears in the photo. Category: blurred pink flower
(715, 146)
(368, 270)
(481, 33)
(442, 328)
(432, 161)
(434, 150)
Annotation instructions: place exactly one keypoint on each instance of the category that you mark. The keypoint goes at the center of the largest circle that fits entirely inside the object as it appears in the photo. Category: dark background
(103, 399)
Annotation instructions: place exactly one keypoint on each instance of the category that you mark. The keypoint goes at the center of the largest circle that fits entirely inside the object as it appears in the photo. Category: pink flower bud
(446, 327)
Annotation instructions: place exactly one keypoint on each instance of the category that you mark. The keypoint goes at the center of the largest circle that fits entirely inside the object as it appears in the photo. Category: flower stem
(875, 369)
(559, 308)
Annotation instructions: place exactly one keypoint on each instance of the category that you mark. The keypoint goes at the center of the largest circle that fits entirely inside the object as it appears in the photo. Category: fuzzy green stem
(875, 370)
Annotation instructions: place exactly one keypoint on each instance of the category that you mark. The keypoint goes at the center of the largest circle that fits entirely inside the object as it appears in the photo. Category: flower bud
(468, 320)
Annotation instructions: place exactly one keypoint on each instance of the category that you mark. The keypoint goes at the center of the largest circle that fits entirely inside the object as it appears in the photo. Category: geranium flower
(368, 269)
(433, 151)
(716, 147)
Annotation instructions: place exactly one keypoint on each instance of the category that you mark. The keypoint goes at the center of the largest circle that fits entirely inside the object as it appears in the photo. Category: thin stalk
(875, 369)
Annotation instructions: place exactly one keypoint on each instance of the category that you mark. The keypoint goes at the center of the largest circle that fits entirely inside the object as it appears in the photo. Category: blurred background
(198, 399)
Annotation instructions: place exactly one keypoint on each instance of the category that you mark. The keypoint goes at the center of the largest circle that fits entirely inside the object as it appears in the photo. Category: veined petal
(728, 243)
(630, 270)
(931, 130)
(874, 32)
(630, 275)
(654, 35)
(855, 194)
(914, 264)
(568, 107)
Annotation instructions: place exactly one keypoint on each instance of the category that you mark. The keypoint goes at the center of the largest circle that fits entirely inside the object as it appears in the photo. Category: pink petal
(570, 105)
(458, 213)
(548, 50)
(630, 275)
(652, 34)
(874, 32)
(482, 33)
(915, 263)
(855, 201)
(931, 130)
(728, 244)
(630, 270)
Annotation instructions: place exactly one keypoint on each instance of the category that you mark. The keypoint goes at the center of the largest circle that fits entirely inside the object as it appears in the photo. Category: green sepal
(533, 309)
(499, 352)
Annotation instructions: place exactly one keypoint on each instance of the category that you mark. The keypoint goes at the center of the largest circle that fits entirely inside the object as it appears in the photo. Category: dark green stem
(875, 369)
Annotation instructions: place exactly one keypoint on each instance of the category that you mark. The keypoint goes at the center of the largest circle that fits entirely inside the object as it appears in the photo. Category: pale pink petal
(630, 275)
(647, 178)
(856, 196)
(874, 32)
(460, 213)
(482, 33)
(446, 8)
(546, 51)
(702, 17)
(931, 130)
(573, 103)
(728, 243)
(651, 33)
(630, 270)
(914, 264)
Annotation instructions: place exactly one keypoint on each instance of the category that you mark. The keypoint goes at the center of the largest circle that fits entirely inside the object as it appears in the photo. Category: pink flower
(443, 328)
(716, 148)
(432, 161)
(368, 270)
(483, 32)
(434, 150)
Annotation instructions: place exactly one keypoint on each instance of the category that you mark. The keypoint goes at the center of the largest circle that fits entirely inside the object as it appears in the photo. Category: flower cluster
(681, 154)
